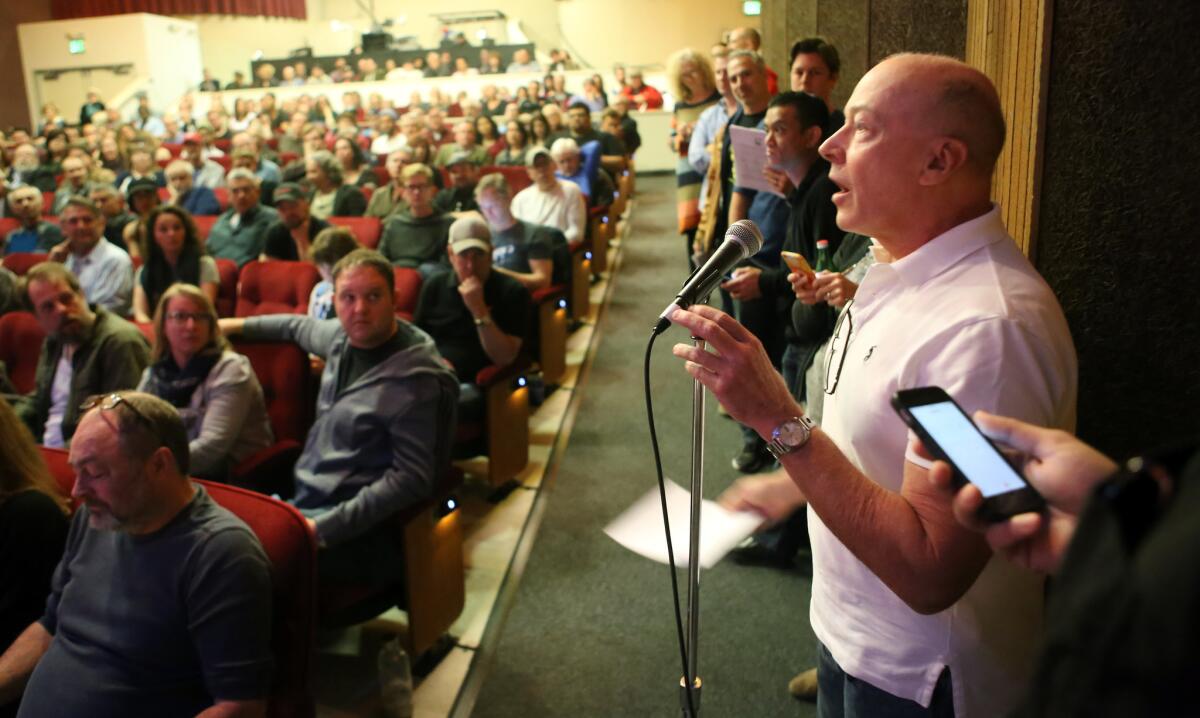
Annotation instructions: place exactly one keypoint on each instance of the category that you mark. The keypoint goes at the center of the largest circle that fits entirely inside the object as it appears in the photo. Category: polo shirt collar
(952, 246)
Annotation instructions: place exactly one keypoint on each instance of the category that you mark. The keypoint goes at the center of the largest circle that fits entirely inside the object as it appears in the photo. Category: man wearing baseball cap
(207, 173)
(292, 236)
(476, 317)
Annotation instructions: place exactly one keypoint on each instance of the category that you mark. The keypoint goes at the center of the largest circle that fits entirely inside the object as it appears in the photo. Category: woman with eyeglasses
(173, 253)
(33, 529)
(214, 388)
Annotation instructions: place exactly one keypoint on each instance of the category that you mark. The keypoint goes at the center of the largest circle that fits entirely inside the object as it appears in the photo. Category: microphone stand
(693, 594)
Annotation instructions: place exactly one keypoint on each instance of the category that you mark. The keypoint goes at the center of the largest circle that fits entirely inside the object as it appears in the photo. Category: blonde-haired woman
(694, 86)
(33, 528)
(214, 388)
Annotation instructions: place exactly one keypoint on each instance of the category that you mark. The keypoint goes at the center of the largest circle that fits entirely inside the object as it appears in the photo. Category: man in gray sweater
(385, 419)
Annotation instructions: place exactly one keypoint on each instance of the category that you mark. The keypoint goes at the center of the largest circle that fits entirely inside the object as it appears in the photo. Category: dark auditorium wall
(14, 110)
(1117, 236)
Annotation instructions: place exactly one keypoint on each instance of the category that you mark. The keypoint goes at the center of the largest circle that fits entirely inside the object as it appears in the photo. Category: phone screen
(969, 450)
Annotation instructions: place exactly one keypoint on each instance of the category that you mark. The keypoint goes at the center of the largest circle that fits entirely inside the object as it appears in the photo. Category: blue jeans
(843, 696)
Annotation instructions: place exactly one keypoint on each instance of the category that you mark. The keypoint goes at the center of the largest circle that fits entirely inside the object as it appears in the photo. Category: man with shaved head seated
(914, 615)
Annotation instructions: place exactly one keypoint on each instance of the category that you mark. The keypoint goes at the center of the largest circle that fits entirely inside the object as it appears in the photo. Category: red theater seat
(8, 224)
(227, 291)
(48, 201)
(20, 343)
(204, 224)
(225, 161)
(517, 177)
(275, 287)
(367, 230)
(19, 262)
(291, 548)
(222, 195)
(408, 291)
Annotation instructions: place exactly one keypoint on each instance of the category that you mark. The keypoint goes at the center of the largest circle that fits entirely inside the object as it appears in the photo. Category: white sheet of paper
(750, 158)
(640, 527)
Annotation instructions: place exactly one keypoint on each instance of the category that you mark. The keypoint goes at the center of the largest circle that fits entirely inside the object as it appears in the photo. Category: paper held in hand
(640, 528)
(750, 159)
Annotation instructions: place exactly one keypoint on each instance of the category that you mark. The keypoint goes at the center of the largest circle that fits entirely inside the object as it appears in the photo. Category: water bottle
(395, 680)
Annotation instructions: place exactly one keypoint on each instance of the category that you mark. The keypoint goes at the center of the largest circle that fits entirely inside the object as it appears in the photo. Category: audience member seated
(549, 201)
(629, 130)
(206, 172)
(612, 152)
(155, 582)
(330, 196)
(266, 170)
(116, 216)
(291, 141)
(291, 237)
(240, 234)
(142, 196)
(416, 238)
(584, 170)
(105, 271)
(476, 316)
(389, 137)
(141, 166)
(34, 234)
(385, 412)
(33, 529)
(641, 95)
(74, 183)
(389, 199)
(489, 135)
(522, 62)
(521, 250)
(247, 160)
(28, 170)
(173, 253)
(85, 352)
(465, 140)
(213, 387)
(459, 197)
(356, 168)
(184, 193)
(328, 248)
(516, 145)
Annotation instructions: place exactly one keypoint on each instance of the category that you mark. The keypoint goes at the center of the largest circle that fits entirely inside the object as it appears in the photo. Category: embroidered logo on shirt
(869, 353)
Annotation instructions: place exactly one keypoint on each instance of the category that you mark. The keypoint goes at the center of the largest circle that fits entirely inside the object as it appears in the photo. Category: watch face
(793, 433)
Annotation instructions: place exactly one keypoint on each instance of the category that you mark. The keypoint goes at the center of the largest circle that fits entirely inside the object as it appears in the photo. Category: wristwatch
(790, 435)
(486, 319)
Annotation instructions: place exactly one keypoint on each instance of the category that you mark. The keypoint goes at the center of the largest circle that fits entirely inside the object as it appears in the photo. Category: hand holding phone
(950, 435)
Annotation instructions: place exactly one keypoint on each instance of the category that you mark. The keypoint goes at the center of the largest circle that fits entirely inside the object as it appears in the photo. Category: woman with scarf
(214, 388)
(172, 251)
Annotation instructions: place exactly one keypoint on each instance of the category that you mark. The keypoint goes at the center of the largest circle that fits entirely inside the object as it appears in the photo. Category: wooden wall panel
(1009, 40)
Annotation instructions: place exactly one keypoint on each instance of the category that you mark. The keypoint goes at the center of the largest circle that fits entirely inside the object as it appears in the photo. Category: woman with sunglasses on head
(214, 388)
(33, 530)
(173, 254)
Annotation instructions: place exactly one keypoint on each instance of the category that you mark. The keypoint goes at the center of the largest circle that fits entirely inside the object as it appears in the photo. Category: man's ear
(947, 155)
(812, 136)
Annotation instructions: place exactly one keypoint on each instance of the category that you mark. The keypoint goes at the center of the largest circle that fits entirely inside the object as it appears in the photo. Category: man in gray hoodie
(385, 419)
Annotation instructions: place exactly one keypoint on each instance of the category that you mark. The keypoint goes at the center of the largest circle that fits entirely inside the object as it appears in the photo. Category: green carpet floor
(591, 632)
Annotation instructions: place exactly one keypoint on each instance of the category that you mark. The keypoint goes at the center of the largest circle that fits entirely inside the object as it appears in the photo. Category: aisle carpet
(591, 632)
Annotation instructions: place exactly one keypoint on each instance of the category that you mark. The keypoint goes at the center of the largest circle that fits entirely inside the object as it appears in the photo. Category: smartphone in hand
(950, 435)
(797, 263)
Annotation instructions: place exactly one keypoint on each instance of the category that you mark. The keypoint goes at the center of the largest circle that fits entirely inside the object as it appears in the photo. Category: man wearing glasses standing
(161, 604)
(913, 616)
(88, 350)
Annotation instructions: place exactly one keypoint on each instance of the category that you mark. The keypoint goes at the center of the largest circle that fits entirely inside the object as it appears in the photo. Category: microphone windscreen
(747, 236)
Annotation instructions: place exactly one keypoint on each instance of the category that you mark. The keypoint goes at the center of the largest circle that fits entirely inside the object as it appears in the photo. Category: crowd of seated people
(138, 222)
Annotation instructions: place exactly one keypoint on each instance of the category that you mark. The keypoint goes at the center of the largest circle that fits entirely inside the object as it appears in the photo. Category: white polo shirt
(966, 312)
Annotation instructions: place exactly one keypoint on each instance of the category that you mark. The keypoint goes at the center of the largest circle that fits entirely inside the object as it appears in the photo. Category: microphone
(742, 240)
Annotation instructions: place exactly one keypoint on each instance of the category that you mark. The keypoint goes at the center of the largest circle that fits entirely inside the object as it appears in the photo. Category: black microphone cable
(689, 680)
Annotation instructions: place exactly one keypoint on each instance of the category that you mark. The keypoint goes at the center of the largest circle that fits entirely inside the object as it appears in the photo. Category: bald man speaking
(914, 615)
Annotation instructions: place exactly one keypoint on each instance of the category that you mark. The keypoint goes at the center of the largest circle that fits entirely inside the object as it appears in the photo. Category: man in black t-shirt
(459, 197)
(292, 236)
(532, 254)
(476, 317)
